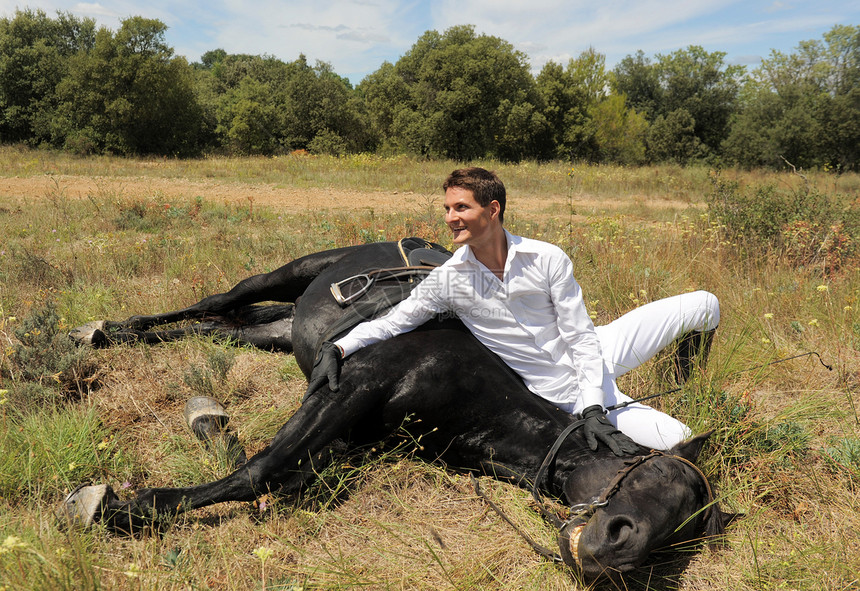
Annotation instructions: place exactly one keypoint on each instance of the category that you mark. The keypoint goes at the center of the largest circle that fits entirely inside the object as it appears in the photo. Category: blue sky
(356, 36)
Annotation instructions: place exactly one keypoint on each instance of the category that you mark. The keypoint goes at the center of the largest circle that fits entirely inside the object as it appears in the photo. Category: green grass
(784, 452)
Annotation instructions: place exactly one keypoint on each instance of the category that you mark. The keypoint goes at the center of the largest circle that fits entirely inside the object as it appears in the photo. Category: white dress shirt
(534, 318)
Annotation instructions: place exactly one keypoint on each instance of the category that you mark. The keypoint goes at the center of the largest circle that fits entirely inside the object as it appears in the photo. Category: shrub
(844, 456)
(46, 355)
(810, 228)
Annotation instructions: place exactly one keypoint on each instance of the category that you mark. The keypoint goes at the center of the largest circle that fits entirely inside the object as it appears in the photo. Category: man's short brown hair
(484, 185)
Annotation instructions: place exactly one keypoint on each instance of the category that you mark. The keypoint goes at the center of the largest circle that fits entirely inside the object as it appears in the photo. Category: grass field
(96, 238)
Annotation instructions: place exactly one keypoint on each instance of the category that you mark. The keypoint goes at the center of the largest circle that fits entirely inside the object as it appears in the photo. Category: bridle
(579, 514)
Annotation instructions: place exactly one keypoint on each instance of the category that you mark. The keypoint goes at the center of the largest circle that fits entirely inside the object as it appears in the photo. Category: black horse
(467, 407)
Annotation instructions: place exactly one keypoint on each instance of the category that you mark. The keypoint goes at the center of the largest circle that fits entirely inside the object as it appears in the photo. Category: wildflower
(12, 543)
(813, 322)
(102, 445)
(72, 466)
(125, 485)
(847, 308)
(765, 341)
(263, 553)
(768, 316)
(822, 288)
(133, 571)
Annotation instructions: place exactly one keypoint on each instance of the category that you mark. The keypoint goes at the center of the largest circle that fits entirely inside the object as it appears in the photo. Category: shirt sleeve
(423, 303)
(577, 329)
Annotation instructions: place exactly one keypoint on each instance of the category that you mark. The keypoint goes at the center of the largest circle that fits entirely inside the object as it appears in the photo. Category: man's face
(468, 220)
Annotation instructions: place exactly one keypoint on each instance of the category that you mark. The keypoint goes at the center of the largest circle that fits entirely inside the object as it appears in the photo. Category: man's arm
(577, 329)
(421, 305)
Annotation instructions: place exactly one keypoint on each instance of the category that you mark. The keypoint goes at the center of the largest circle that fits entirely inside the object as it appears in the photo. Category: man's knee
(649, 427)
(705, 308)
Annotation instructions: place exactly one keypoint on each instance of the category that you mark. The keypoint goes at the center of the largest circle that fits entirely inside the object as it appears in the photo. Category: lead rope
(539, 548)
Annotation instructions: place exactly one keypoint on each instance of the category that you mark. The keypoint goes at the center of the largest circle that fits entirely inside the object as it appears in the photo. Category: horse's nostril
(619, 529)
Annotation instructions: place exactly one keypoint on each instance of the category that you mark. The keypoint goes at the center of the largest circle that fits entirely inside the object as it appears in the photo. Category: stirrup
(344, 300)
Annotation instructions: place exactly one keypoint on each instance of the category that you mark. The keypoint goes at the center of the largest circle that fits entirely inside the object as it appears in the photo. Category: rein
(621, 405)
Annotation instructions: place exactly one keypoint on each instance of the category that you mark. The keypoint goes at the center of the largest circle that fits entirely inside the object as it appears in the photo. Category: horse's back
(317, 310)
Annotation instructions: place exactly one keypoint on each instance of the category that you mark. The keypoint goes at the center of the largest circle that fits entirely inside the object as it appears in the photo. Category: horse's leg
(284, 284)
(289, 461)
(264, 327)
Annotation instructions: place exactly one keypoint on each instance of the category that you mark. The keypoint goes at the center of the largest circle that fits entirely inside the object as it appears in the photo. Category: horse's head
(624, 509)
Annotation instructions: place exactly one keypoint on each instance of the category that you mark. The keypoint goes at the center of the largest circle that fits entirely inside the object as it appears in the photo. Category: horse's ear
(717, 524)
(691, 448)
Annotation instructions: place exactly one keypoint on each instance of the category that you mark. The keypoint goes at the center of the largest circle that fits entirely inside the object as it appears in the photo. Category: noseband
(579, 514)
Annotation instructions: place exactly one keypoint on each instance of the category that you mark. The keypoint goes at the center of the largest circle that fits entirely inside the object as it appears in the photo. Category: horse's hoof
(205, 416)
(91, 333)
(208, 421)
(82, 506)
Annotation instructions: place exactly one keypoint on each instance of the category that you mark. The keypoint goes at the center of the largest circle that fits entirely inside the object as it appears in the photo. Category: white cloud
(93, 10)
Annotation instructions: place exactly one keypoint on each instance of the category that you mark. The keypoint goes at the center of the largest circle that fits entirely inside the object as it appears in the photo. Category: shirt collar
(516, 245)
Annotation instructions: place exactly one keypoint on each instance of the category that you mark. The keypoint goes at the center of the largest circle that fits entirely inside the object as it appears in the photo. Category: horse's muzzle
(568, 542)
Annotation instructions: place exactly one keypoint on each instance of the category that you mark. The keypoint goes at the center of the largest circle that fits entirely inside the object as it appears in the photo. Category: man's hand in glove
(598, 428)
(326, 369)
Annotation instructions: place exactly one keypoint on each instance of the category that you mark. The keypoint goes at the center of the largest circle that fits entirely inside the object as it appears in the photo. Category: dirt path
(28, 189)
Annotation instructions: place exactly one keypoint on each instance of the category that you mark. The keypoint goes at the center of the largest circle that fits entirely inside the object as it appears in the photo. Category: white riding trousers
(635, 338)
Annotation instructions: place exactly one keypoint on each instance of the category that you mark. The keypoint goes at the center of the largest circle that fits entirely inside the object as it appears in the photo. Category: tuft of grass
(43, 454)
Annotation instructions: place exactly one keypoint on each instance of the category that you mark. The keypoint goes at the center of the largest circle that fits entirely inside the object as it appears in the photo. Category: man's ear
(495, 208)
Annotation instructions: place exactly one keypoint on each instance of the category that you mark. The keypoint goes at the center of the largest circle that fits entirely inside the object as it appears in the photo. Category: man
(519, 298)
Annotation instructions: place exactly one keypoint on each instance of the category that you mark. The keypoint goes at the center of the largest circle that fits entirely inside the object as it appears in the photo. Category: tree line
(66, 84)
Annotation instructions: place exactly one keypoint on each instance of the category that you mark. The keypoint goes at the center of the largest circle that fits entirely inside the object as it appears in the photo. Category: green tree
(458, 95)
(620, 132)
(568, 97)
(636, 78)
(262, 105)
(688, 86)
(803, 107)
(34, 54)
(248, 120)
(841, 119)
(323, 111)
(386, 98)
(586, 121)
(129, 95)
(673, 138)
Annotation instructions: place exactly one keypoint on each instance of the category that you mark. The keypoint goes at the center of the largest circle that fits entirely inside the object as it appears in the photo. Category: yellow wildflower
(263, 553)
(133, 571)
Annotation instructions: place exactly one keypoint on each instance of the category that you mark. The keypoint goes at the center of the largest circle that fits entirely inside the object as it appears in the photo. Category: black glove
(326, 369)
(598, 428)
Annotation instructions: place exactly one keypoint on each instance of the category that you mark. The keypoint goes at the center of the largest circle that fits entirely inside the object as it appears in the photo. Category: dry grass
(385, 521)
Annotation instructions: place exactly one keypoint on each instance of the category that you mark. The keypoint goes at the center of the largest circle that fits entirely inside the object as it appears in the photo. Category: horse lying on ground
(468, 409)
